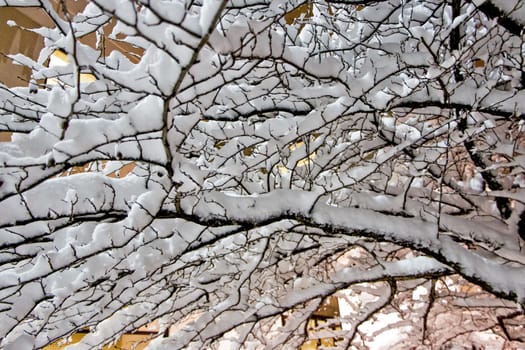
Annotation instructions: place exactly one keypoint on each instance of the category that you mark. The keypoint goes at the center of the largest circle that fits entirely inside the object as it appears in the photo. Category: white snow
(256, 148)
(209, 10)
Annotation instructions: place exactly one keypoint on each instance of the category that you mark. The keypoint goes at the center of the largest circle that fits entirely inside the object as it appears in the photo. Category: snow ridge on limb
(221, 170)
(253, 211)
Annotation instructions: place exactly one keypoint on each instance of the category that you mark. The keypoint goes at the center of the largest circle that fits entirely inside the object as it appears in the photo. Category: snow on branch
(262, 174)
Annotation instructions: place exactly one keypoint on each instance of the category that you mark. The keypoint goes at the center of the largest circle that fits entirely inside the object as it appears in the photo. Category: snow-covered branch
(223, 169)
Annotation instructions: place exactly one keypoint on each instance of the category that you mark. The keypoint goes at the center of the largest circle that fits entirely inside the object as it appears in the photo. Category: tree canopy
(223, 167)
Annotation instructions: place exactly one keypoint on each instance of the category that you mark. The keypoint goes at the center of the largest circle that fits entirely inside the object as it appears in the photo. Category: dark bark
(491, 11)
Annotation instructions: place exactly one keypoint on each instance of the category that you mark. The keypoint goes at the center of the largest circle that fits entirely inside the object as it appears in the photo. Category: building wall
(14, 39)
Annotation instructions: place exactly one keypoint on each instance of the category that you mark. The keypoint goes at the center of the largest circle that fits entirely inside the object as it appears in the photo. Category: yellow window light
(60, 58)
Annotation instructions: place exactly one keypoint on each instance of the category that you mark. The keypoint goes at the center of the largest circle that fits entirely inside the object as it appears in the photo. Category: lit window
(59, 58)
